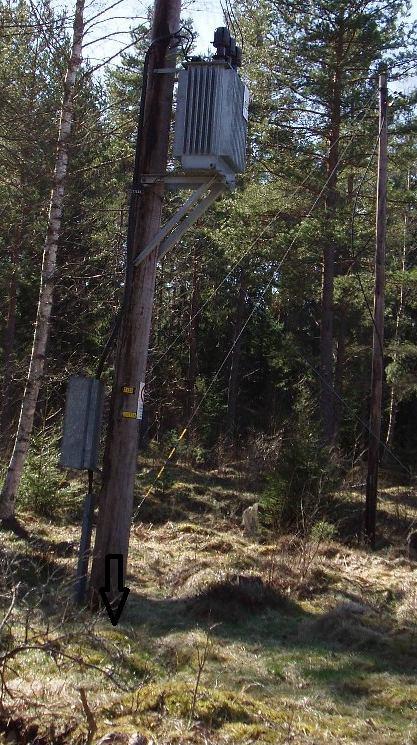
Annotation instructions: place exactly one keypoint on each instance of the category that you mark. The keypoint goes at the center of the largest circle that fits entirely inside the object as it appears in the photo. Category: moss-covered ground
(224, 639)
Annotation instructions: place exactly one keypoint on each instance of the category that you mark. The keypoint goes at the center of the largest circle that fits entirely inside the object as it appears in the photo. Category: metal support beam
(181, 180)
(175, 219)
(198, 211)
(173, 230)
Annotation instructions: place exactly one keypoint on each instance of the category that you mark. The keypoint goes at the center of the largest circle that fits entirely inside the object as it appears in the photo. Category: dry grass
(309, 644)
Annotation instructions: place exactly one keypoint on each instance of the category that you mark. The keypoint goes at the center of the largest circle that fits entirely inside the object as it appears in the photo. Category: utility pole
(378, 331)
(120, 456)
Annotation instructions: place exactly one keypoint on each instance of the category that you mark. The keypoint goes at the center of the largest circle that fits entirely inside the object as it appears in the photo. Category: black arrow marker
(114, 613)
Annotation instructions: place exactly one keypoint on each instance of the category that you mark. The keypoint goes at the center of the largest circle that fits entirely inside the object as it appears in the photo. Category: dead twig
(91, 722)
(10, 608)
(202, 656)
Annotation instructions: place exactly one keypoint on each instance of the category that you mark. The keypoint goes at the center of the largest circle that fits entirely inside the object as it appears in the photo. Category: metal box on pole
(82, 423)
(211, 119)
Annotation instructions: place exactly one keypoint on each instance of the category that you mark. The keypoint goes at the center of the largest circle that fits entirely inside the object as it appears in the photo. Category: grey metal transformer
(211, 119)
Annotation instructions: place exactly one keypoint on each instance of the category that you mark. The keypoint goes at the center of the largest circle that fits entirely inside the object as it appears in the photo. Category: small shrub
(263, 452)
(322, 532)
(45, 490)
(299, 490)
(199, 455)
(171, 439)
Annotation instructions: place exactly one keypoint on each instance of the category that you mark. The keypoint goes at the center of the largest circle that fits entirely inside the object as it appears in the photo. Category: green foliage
(298, 492)
(322, 531)
(401, 371)
(173, 440)
(45, 489)
(293, 56)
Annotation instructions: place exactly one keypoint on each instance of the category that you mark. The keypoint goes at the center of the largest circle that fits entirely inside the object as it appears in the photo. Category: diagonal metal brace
(173, 230)
(197, 212)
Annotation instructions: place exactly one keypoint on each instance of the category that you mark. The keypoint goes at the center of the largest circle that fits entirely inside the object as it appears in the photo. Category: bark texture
(43, 316)
(192, 338)
(119, 468)
(234, 375)
(393, 400)
(327, 297)
(8, 345)
(377, 377)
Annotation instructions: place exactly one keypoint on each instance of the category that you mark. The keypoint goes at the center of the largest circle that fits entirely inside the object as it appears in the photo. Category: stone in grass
(412, 545)
(120, 738)
(347, 625)
(250, 521)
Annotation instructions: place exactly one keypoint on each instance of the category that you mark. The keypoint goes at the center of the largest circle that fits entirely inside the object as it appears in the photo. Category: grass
(299, 653)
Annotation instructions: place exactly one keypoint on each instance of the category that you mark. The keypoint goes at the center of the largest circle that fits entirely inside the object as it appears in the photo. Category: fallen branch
(10, 608)
(91, 722)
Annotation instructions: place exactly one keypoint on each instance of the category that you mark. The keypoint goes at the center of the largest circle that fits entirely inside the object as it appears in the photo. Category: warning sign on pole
(141, 398)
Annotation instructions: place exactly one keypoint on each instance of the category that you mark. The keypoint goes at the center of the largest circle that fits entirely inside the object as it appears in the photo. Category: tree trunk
(192, 339)
(377, 375)
(392, 420)
(393, 402)
(327, 310)
(235, 360)
(9, 360)
(8, 346)
(41, 333)
(338, 375)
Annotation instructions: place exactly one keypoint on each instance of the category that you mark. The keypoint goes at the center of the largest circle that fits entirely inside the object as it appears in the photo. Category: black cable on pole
(352, 236)
(135, 193)
(234, 17)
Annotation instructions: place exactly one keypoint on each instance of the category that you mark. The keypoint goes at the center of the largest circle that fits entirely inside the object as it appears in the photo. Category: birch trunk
(393, 403)
(41, 333)
(234, 374)
(192, 338)
(8, 345)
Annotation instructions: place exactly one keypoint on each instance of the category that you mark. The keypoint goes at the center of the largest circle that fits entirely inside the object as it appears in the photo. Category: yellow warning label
(128, 389)
(129, 414)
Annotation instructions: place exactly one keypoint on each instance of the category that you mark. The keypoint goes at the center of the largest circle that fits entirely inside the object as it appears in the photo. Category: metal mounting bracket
(167, 70)
(174, 181)
(196, 205)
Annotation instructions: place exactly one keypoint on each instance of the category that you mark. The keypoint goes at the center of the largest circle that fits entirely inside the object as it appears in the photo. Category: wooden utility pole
(119, 467)
(378, 332)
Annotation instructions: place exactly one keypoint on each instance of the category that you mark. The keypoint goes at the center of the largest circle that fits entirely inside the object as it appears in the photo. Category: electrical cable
(135, 193)
(234, 17)
(133, 204)
(352, 236)
(250, 316)
(358, 419)
(252, 245)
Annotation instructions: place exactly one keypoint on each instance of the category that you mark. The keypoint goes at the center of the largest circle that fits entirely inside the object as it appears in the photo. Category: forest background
(263, 315)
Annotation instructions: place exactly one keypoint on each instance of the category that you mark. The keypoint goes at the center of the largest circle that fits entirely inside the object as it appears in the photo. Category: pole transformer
(120, 456)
